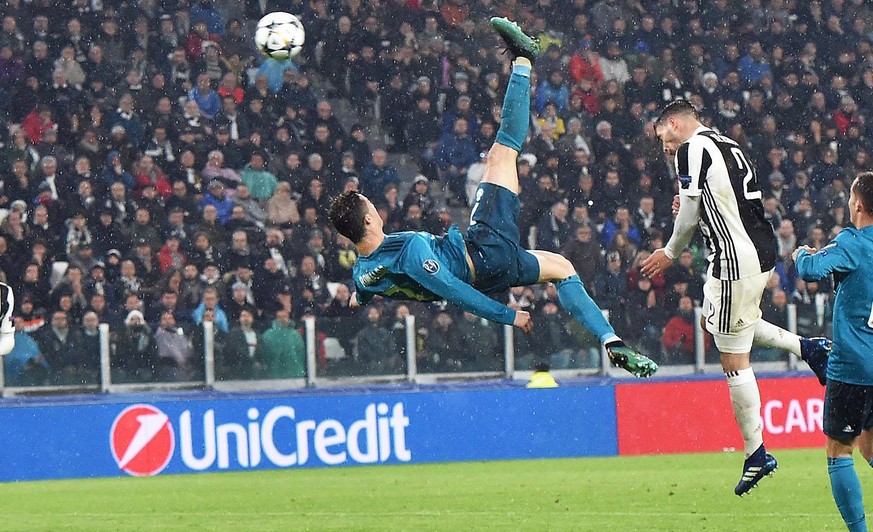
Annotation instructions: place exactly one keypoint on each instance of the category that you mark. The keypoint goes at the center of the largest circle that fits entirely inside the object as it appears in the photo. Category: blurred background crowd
(158, 173)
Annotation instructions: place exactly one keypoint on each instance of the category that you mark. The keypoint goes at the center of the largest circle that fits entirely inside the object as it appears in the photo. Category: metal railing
(315, 374)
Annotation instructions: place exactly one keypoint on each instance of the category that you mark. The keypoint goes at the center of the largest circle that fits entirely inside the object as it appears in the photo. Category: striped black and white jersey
(7, 327)
(741, 242)
(7, 304)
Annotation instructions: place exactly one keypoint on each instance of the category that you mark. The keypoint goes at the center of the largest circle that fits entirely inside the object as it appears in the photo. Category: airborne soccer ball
(280, 35)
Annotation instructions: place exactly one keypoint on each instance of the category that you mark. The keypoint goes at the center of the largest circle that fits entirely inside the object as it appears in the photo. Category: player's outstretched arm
(688, 214)
(815, 265)
(424, 267)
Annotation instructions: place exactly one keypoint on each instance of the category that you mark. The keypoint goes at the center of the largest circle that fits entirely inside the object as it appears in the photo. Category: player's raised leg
(500, 166)
(575, 300)
(813, 351)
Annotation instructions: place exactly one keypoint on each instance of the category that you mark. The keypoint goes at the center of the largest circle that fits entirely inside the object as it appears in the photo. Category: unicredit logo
(142, 440)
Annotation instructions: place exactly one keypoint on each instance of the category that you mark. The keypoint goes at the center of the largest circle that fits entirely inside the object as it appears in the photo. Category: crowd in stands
(182, 178)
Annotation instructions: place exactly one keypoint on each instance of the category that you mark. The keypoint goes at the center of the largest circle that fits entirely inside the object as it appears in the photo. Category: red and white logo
(142, 440)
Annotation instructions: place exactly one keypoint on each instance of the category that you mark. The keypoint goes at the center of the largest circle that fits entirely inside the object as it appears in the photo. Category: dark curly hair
(347, 213)
(676, 108)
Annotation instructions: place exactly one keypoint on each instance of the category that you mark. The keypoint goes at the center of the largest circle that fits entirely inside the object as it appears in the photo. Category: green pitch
(684, 492)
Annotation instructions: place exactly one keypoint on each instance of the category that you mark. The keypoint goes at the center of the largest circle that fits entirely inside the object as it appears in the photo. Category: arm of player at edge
(684, 226)
(446, 285)
(683, 229)
(7, 327)
(816, 264)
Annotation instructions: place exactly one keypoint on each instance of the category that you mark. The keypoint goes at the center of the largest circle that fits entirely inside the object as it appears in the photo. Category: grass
(679, 492)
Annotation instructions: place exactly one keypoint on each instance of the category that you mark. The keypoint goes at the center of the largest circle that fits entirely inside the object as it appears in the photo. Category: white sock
(769, 335)
(746, 401)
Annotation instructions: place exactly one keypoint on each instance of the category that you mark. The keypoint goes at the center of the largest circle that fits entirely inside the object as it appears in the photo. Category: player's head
(354, 215)
(861, 198)
(675, 124)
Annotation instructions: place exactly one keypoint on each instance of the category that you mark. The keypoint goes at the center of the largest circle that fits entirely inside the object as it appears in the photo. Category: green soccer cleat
(518, 43)
(626, 358)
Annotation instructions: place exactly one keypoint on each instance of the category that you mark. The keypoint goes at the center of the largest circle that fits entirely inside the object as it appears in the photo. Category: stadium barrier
(114, 435)
(578, 362)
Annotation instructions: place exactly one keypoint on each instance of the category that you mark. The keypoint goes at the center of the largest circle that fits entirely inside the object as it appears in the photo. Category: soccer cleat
(626, 358)
(756, 467)
(518, 43)
(815, 351)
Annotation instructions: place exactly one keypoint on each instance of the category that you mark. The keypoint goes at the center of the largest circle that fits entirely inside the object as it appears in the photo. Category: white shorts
(732, 309)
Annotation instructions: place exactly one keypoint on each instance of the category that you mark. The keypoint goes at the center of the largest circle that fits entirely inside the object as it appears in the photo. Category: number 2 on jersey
(750, 184)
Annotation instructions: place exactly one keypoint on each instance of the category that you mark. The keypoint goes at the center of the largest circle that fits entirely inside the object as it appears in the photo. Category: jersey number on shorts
(750, 184)
(479, 193)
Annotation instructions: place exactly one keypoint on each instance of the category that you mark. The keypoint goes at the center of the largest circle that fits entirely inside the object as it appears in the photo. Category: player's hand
(656, 263)
(523, 321)
(353, 301)
(808, 249)
(675, 207)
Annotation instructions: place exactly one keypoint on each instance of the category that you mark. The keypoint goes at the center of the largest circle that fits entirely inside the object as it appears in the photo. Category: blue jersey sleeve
(422, 265)
(833, 258)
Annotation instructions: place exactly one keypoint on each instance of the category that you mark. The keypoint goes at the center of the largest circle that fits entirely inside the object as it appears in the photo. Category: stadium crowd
(183, 178)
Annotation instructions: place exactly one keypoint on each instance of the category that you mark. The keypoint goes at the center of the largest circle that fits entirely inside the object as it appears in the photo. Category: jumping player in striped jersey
(462, 269)
(7, 328)
(719, 191)
(848, 409)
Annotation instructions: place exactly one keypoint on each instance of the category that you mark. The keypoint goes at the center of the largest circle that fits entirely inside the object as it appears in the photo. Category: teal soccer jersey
(423, 267)
(850, 258)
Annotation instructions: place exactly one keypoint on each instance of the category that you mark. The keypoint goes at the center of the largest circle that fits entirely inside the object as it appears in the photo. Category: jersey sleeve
(692, 165)
(835, 257)
(423, 266)
(364, 296)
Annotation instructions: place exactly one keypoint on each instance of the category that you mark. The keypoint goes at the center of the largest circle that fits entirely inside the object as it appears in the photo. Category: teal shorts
(494, 243)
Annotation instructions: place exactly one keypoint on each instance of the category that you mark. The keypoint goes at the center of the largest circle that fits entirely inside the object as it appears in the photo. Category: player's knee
(562, 267)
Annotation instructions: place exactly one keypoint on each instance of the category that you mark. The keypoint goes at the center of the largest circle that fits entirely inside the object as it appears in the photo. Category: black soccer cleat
(759, 465)
(815, 351)
(518, 43)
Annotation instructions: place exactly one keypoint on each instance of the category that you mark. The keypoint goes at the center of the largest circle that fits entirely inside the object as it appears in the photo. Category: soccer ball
(280, 35)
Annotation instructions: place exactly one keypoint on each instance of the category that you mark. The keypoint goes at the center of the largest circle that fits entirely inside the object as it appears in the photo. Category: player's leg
(845, 485)
(813, 351)
(500, 166)
(846, 417)
(731, 310)
(575, 300)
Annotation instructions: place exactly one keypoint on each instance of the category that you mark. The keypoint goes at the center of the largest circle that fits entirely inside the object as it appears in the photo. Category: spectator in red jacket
(678, 337)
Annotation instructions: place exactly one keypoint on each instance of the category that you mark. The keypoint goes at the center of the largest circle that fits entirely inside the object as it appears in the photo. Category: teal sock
(846, 489)
(579, 304)
(515, 117)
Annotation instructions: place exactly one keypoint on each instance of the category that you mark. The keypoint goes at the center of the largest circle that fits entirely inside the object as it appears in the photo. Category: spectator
(378, 173)
(210, 302)
(678, 338)
(241, 356)
(135, 358)
(454, 155)
(376, 348)
(282, 352)
(260, 182)
(175, 362)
